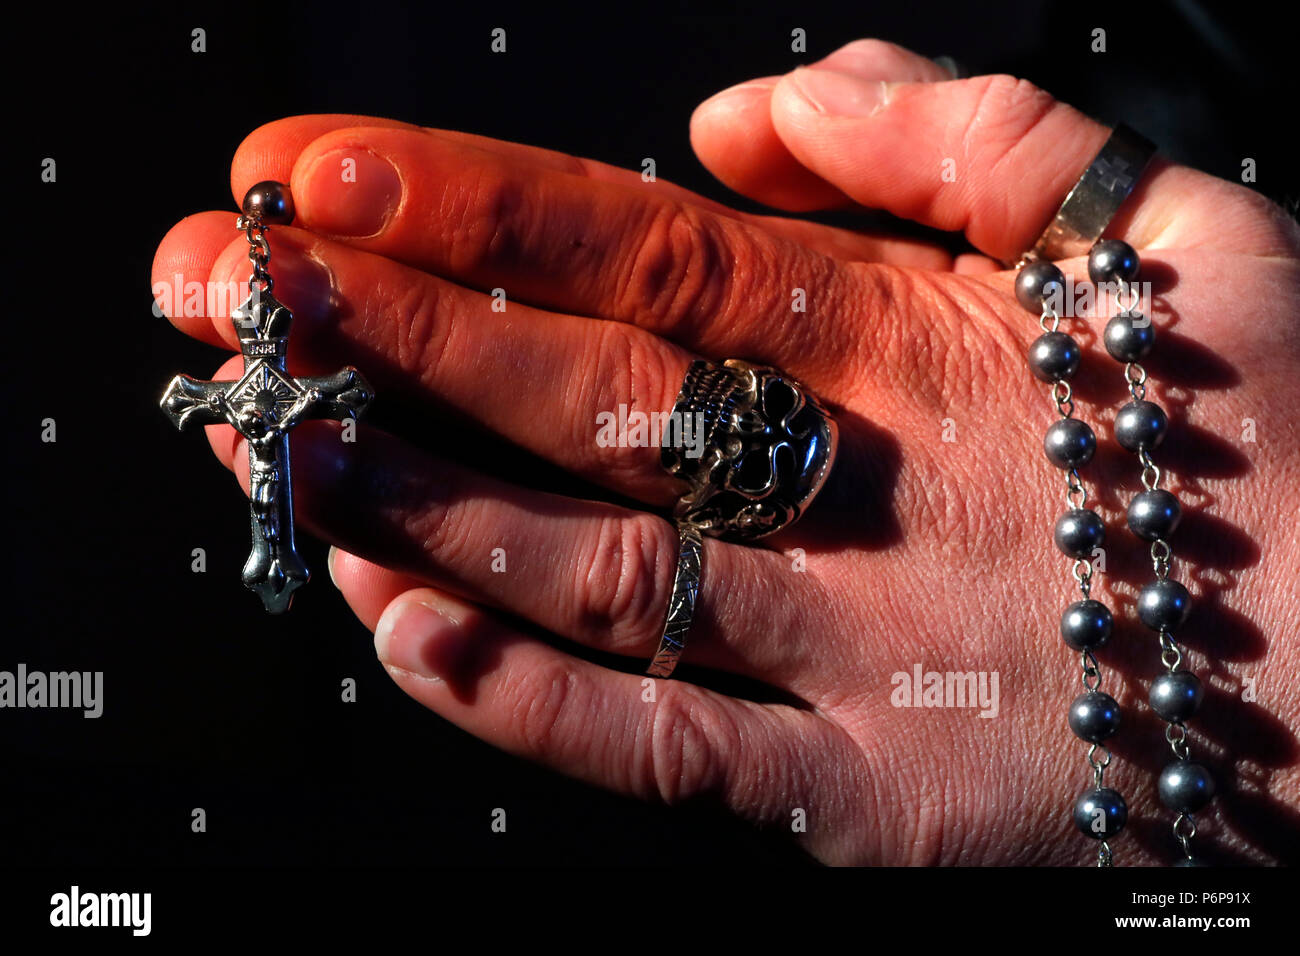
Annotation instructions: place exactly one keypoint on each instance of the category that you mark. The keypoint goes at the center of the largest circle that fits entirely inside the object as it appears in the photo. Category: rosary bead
(1185, 787)
(1163, 605)
(1154, 515)
(1140, 426)
(1100, 814)
(1078, 533)
(1191, 861)
(1036, 282)
(1069, 443)
(1113, 260)
(1129, 337)
(1094, 716)
(1054, 356)
(1176, 696)
(271, 201)
(1086, 625)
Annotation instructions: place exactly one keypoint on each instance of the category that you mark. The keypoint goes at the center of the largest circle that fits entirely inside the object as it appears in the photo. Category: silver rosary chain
(1162, 556)
(1076, 497)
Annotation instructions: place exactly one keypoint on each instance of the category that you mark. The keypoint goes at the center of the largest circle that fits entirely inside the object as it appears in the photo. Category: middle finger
(558, 386)
(588, 571)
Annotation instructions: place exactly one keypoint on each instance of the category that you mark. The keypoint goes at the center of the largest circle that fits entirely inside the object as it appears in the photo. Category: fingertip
(732, 135)
(423, 632)
(271, 150)
(742, 96)
(182, 270)
(368, 588)
(873, 59)
(225, 442)
(351, 182)
(329, 564)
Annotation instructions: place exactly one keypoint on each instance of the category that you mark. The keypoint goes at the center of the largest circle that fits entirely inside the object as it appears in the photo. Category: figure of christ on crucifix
(263, 405)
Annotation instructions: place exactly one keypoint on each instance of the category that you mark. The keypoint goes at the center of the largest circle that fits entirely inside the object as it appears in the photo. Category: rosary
(1153, 514)
(265, 403)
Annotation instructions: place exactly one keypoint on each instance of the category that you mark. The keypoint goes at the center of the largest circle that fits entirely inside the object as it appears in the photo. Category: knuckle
(1005, 113)
(1004, 101)
(682, 756)
(681, 269)
(488, 218)
(626, 581)
(419, 324)
(696, 277)
(543, 697)
(629, 370)
(429, 527)
(434, 522)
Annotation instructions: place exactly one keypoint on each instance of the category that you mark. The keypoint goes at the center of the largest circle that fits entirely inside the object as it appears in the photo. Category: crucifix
(264, 404)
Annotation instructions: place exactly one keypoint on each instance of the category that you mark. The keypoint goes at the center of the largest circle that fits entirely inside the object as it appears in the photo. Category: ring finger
(588, 571)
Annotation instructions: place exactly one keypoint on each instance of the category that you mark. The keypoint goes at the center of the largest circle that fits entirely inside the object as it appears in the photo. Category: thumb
(732, 134)
(992, 156)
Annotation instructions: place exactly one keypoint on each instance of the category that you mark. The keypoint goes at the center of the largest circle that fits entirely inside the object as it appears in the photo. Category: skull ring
(753, 445)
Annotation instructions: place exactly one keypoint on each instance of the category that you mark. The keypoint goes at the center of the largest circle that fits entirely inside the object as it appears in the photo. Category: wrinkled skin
(931, 544)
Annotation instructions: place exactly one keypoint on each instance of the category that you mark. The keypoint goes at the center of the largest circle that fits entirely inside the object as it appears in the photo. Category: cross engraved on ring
(1112, 175)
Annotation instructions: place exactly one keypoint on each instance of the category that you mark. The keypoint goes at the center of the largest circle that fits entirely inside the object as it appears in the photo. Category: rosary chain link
(1082, 572)
(1136, 377)
(1150, 471)
(1074, 486)
(259, 251)
(1184, 830)
(1091, 671)
(1170, 654)
(1162, 556)
(1098, 766)
(1178, 741)
(1063, 396)
(1133, 291)
(1049, 313)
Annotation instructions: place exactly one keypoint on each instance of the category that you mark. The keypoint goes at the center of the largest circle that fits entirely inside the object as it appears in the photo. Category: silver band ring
(681, 603)
(1095, 198)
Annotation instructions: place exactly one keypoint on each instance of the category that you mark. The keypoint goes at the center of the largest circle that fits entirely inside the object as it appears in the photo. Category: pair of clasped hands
(931, 544)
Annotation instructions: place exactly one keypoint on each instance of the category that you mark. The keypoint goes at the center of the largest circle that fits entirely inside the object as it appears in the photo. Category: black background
(208, 701)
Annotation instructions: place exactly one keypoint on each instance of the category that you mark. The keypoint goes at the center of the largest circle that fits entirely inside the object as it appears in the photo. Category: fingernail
(839, 94)
(418, 636)
(350, 192)
(329, 563)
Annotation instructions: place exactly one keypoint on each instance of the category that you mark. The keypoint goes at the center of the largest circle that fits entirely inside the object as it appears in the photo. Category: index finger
(711, 283)
(269, 152)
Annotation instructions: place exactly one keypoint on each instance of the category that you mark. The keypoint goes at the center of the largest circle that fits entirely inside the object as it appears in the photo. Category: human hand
(920, 550)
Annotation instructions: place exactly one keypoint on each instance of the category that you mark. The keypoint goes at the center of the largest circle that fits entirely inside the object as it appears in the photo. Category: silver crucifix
(263, 405)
